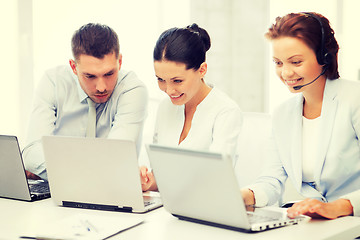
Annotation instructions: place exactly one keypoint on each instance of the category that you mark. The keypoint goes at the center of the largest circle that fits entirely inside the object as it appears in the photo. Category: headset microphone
(300, 86)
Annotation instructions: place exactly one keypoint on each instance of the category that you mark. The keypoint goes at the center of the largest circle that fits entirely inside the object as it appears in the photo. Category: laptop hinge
(96, 206)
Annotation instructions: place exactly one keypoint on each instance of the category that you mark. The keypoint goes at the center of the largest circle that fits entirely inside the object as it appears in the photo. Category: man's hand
(30, 175)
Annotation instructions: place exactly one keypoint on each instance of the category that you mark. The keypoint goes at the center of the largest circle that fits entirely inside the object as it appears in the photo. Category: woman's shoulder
(347, 87)
(60, 78)
(344, 91)
(220, 99)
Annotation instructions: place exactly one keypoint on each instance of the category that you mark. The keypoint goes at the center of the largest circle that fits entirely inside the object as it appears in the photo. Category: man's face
(97, 77)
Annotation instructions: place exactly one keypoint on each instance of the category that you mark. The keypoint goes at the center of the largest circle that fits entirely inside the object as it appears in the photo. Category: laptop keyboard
(39, 188)
(257, 218)
(148, 203)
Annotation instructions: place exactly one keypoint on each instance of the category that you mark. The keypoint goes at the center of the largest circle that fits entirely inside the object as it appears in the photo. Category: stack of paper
(90, 227)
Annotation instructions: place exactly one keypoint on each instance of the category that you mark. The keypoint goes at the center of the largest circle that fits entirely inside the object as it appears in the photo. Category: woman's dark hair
(95, 40)
(315, 31)
(185, 45)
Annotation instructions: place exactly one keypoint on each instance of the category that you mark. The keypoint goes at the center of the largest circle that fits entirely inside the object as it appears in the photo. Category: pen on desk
(48, 238)
(40, 238)
(89, 226)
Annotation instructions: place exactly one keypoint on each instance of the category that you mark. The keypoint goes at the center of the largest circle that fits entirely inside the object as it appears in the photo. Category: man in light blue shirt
(60, 102)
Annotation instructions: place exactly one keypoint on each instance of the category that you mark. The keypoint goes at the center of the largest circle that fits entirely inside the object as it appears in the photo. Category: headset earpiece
(322, 55)
(327, 58)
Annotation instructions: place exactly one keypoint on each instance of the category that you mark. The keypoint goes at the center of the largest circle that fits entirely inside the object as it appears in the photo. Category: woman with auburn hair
(315, 135)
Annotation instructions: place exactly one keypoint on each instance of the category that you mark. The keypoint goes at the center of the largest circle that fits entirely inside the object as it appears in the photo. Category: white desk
(18, 217)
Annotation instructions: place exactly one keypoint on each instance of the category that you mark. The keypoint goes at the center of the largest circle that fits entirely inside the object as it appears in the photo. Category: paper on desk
(82, 226)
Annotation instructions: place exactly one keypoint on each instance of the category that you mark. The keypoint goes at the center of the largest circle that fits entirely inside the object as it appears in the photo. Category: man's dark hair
(95, 40)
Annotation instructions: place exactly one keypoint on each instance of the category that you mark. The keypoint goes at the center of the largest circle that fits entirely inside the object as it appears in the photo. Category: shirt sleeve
(261, 199)
(354, 199)
(131, 112)
(42, 122)
(269, 186)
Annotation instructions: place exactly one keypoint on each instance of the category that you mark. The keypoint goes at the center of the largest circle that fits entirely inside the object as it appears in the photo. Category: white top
(60, 108)
(310, 139)
(215, 125)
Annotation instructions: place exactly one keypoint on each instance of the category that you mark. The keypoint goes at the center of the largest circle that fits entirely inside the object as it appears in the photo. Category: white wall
(9, 67)
(36, 36)
(138, 24)
(350, 37)
(344, 18)
(236, 59)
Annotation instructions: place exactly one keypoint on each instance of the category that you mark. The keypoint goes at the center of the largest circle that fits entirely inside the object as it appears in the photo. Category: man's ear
(120, 60)
(73, 66)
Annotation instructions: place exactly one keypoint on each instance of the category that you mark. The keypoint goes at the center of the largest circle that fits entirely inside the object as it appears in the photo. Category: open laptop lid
(93, 173)
(13, 181)
(202, 187)
(198, 185)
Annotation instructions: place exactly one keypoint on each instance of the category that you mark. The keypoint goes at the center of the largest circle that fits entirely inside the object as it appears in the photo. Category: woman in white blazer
(194, 115)
(315, 136)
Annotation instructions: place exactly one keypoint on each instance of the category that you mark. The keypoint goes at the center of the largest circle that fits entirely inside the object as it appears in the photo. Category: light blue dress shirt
(60, 108)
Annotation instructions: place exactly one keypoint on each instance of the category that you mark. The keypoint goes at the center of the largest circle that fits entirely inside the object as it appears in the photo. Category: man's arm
(42, 122)
(131, 112)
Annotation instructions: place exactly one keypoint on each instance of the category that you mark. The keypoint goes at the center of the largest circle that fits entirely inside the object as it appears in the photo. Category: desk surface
(18, 217)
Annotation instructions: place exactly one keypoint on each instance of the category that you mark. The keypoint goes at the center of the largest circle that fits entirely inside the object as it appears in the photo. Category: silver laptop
(95, 173)
(202, 187)
(13, 181)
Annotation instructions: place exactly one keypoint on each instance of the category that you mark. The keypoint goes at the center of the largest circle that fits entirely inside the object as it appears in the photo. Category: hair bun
(202, 34)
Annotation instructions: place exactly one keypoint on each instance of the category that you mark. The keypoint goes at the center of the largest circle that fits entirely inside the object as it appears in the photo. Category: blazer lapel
(328, 113)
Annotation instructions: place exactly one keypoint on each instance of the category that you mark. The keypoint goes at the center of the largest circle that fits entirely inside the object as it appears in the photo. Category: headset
(322, 55)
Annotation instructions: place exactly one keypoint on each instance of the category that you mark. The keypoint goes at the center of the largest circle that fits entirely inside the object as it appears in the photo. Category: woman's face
(181, 84)
(295, 63)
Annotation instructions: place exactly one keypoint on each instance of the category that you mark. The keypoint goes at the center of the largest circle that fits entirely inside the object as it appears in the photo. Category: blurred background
(35, 36)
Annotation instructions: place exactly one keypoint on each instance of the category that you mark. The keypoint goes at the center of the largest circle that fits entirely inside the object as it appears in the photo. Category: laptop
(95, 173)
(13, 181)
(202, 187)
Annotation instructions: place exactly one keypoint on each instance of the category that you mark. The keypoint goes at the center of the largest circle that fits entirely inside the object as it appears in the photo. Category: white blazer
(337, 170)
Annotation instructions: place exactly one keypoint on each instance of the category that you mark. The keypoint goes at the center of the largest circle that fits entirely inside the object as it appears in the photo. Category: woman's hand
(317, 209)
(148, 182)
